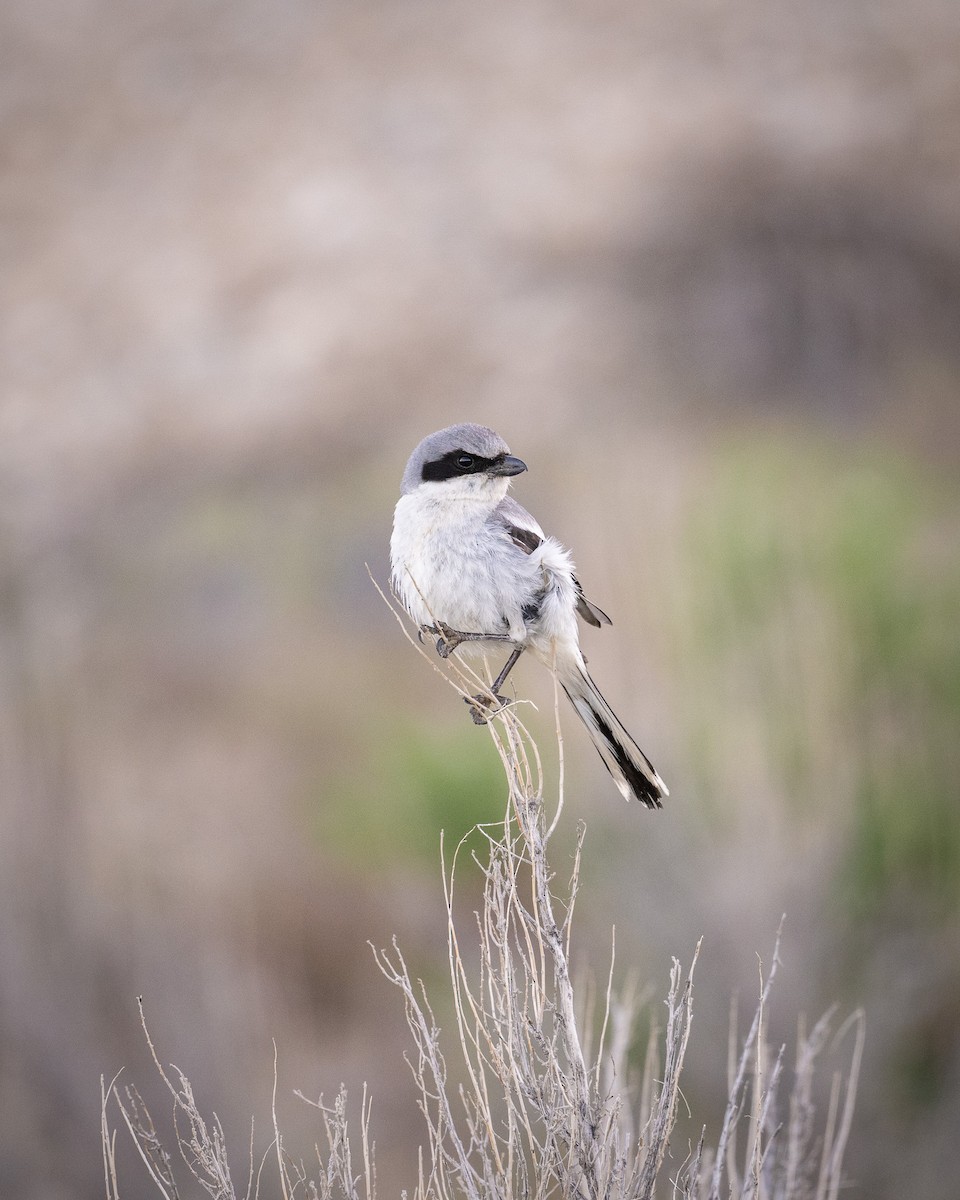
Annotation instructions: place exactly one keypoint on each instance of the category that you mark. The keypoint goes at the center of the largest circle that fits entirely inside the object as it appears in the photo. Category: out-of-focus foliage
(387, 811)
(828, 590)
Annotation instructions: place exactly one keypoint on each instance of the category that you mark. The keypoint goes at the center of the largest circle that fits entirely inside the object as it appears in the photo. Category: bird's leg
(480, 706)
(449, 639)
(507, 668)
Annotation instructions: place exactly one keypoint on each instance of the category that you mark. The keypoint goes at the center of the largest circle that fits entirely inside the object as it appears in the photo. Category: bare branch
(549, 1107)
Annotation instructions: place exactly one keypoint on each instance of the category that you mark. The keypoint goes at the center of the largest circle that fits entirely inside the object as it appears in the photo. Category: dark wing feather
(589, 612)
(526, 535)
(518, 525)
(525, 539)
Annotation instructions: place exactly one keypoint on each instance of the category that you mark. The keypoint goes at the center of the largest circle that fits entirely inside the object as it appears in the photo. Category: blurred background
(699, 264)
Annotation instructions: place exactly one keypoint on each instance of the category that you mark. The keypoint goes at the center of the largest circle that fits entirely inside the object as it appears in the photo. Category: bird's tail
(632, 771)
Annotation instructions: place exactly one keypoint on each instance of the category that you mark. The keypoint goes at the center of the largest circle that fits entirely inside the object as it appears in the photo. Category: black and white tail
(632, 771)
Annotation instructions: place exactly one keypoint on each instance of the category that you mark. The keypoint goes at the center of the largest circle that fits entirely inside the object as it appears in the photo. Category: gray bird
(472, 566)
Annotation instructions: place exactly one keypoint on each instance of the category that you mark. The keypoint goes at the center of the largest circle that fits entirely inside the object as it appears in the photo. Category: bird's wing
(525, 533)
(522, 528)
(587, 610)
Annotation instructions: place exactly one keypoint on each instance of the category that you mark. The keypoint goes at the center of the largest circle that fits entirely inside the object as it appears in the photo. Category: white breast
(450, 565)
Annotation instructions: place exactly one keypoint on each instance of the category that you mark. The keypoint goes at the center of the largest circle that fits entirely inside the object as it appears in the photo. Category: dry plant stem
(202, 1147)
(537, 1122)
(835, 1142)
(590, 1158)
(734, 1103)
(679, 1018)
(337, 1177)
(582, 1102)
(544, 1112)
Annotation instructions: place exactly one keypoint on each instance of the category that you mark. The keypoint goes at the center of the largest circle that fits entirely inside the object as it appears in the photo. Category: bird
(472, 567)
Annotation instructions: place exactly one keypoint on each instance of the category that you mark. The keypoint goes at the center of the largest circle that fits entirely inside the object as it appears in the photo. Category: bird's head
(464, 460)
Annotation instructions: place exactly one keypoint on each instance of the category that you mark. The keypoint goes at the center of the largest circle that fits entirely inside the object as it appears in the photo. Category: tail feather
(632, 771)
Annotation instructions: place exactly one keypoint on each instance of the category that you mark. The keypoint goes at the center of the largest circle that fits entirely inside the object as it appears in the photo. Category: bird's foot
(485, 706)
(449, 639)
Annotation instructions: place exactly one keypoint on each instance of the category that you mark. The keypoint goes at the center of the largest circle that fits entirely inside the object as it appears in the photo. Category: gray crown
(474, 439)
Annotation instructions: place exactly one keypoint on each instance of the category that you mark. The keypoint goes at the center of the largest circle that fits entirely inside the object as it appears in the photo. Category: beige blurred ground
(698, 263)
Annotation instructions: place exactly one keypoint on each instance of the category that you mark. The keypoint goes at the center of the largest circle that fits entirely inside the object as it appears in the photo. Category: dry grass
(551, 1102)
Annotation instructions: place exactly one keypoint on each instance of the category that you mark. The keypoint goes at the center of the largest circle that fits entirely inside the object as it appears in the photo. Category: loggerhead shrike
(471, 566)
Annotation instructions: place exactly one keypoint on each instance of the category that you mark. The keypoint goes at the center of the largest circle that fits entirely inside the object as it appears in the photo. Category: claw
(446, 645)
(449, 639)
(483, 707)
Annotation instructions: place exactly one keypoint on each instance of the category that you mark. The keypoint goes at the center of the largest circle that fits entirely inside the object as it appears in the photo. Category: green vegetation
(421, 780)
(829, 587)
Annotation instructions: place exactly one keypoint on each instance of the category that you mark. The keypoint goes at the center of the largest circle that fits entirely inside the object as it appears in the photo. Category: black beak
(508, 465)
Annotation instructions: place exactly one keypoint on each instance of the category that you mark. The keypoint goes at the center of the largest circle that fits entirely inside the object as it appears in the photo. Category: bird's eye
(465, 461)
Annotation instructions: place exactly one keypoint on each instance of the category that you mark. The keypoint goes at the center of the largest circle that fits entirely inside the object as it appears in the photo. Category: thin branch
(544, 1111)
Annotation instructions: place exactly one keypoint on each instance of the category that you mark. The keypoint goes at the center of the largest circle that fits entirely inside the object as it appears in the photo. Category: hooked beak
(508, 465)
